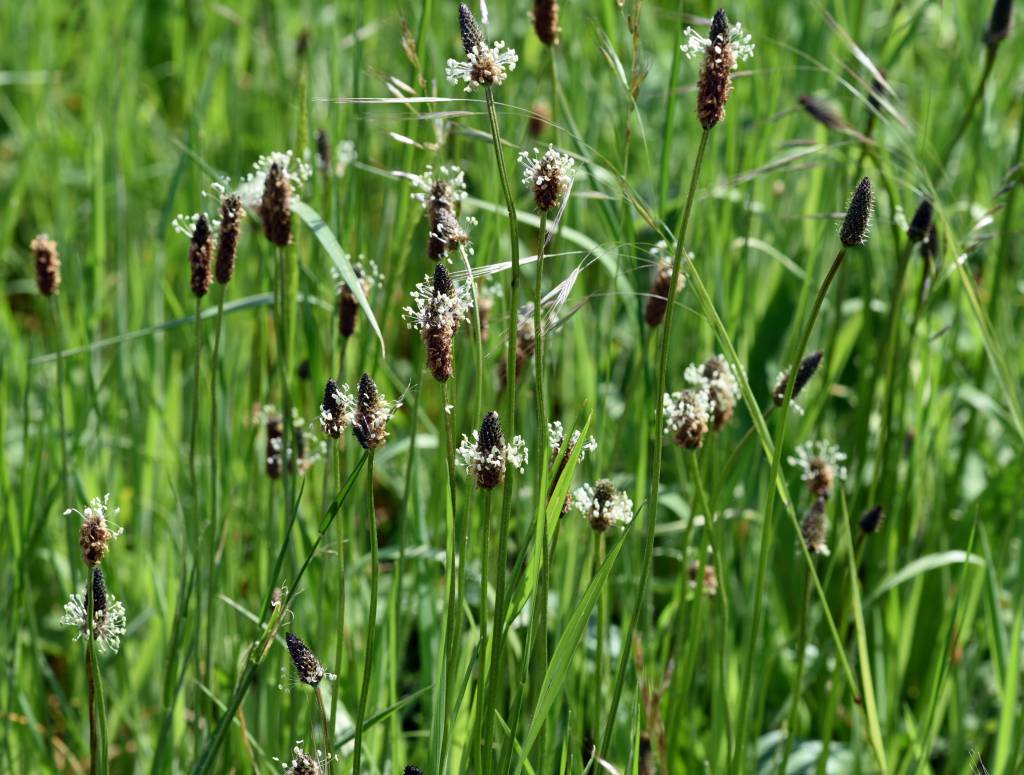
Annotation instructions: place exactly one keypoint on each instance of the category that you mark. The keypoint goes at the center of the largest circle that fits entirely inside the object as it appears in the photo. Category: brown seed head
(439, 331)
(857, 223)
(693, 428)
(306, 664)
(657, 296)
(47, 259)
(490, 471)
(710, 577)
(371, 418)
(446, 233)
(716, 371)
(715, 82)
(545, 21)
(94, 537)
(200, 256)
(231, 215)
(276, 207)
(814, 530)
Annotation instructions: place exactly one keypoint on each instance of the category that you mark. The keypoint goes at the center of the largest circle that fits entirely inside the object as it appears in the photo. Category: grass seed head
(999, 23)
(814, 529)
(822, 112)
(200, 256)
(715, 83)
(323, 151)
(276, 206)
(545, 21)
(871, 521)
(921, 223)
(231, 214)
(808, 366)
(275, 447)
(470, 30)
(857, 223)
(307, 666)
(47, 259)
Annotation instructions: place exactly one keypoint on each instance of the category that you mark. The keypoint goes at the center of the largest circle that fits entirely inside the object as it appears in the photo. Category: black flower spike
(306, 664)
(871, 521)
(921, 222)
(490, 445)
(858, 216)
(412, 769)
(545, 21)
(999, 23)
(808, 366)
(443, 285)
(369, 424)
(99, 592)
(822, 112)
(323, 150)
(471, 34)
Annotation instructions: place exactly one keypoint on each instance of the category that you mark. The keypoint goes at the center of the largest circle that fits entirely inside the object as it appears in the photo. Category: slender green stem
(371, 617)
(768, 526)
(98, 764)
(452, 609)
(801, 647)
(326, 729)
(339, 646)
(194, 422)
(485, 536)
(655, 441)
(509, 421)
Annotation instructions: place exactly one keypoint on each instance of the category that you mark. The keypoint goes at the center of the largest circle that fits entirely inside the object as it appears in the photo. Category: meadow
(627, 386)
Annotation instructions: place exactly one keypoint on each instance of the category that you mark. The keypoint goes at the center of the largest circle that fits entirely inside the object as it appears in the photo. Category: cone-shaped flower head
(231, 215)
(44, 250)
(372, 414)
(806, 370)
(200, 256)
(108, 621)
(337, 409)
(871, 521)
(96, 531)
(603, 505)
(820, 464)
(486, 64)
(688, 416)
(921, 223)
(276, 206)
(307, 666)
(857, 223)
(999, 23)
(548, 176)
(724, 48)
(487, 455)
(441, 305)
(814, 529)
(545, 21)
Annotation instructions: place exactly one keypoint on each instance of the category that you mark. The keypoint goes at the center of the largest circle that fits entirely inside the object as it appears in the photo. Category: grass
(485, 631)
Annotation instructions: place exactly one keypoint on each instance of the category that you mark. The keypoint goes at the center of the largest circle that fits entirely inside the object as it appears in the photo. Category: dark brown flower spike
(323, 151)
(999, 23)
(822, 112)
(47, 259)
(715, 83)
(372, 413)
(490, 464)
(545, 21)
(200, 256)
(814, 530)
(275, 447)
(231, 215)
(276, 207)
(808, 366)
(871, 521)
(470, 31)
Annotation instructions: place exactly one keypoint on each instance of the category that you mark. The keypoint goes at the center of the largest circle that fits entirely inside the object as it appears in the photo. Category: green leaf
(923, 565)
(329, 243)
(558, 669)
